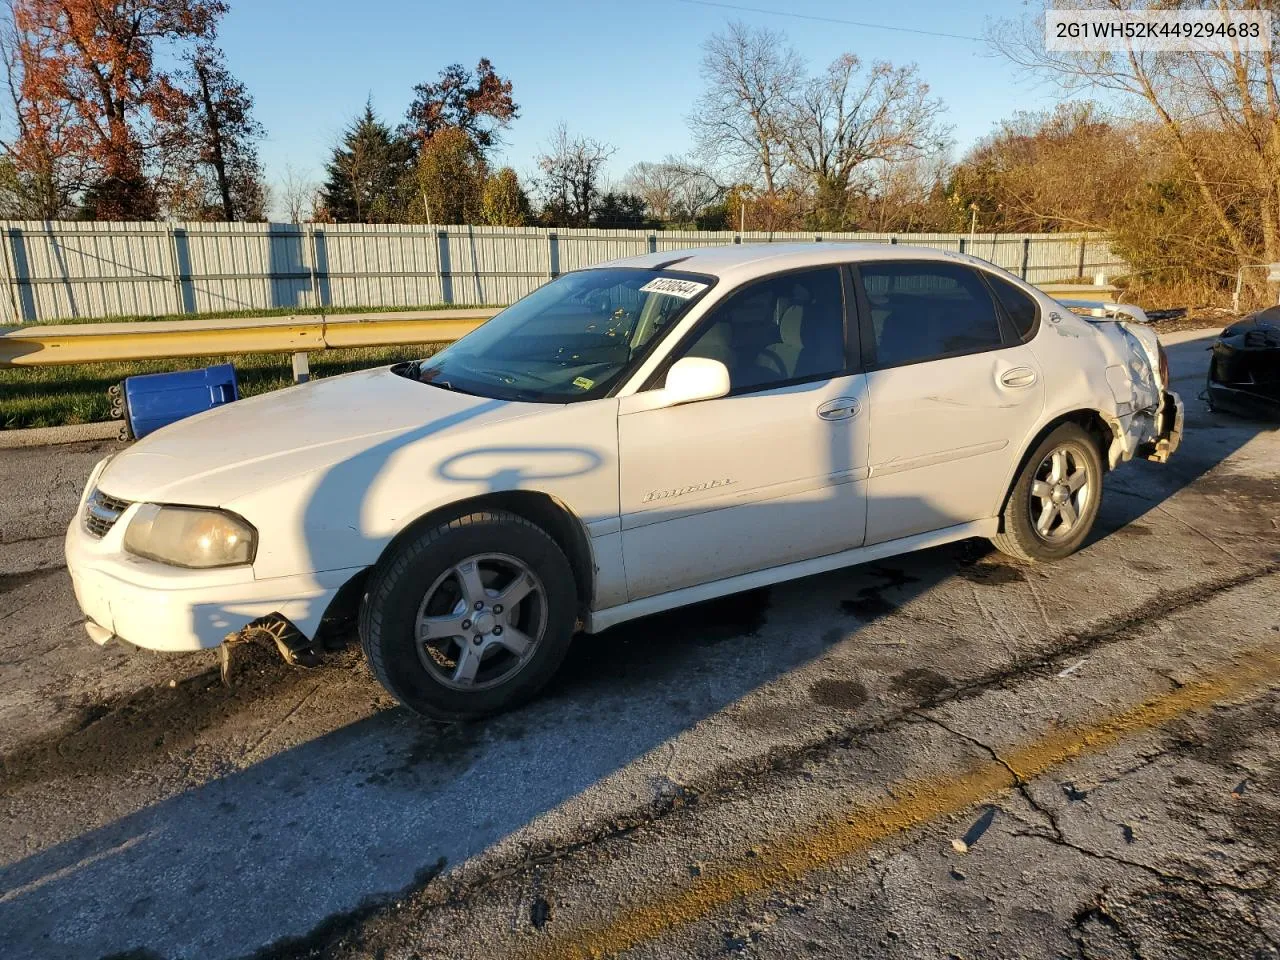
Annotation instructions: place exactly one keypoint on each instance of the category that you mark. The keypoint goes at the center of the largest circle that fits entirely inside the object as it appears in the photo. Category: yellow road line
(915, 803)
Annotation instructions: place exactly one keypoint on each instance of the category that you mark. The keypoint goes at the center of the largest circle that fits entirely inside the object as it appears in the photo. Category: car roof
(739, 261)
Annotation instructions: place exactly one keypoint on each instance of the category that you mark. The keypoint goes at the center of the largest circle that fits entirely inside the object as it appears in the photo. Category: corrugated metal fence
(58, 270)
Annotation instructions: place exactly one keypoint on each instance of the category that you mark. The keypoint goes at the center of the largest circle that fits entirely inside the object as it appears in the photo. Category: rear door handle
(1018, 377)
(841, 408)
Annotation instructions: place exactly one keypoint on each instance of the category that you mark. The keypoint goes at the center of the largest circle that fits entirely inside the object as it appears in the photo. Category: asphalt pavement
(941, 755)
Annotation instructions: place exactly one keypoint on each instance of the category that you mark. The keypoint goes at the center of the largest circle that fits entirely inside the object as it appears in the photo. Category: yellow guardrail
(1080, 291)
(165, 339)
(169, 339)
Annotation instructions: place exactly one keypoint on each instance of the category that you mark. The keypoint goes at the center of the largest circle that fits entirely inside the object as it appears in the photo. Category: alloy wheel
(481, 621)
(1060, 493)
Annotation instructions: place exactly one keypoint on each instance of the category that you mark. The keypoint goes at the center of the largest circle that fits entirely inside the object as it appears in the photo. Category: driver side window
(785, 329)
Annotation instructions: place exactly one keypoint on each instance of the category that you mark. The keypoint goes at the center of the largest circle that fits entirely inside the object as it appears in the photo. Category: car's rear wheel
(1055, 498)
(470, 617)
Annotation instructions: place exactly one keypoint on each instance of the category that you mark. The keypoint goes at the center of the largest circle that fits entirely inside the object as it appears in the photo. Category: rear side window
(1022, 309)
(923, 311)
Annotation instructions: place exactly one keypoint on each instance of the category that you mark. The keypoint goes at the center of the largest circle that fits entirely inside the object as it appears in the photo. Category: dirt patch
(1221, 738)
(1144, 566)
(868, 604)
(892, 576)
(772, 718)
(839, 694)
(117, 735)
(991, 573)
(437, 751)
(1242, 491)
(12, 581)
(920, 683)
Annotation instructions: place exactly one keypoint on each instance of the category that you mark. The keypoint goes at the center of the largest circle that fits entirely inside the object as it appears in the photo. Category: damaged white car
(629, 438)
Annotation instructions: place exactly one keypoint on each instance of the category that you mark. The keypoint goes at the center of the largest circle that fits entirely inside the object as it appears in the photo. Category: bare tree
(848, 126)
(224, 136)
(674, 190)
(657, 184)
(569, 181)
(297, 194)
(698, 190)
(750, 74)
(1218, 112)
(912, 196)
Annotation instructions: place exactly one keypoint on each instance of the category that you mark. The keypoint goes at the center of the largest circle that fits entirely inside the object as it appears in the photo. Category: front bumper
(159, 607)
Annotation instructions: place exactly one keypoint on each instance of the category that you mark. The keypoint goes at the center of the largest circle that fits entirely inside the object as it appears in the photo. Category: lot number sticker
(684, 289)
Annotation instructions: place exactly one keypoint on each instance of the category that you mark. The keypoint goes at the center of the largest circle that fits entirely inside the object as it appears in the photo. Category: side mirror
(695, 378)
(688, 380)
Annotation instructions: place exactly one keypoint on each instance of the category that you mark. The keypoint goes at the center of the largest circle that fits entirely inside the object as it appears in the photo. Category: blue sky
(623, 72)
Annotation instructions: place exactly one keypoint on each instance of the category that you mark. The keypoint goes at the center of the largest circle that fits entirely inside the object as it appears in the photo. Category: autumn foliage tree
(451, 178)
(126, 109)
(99, 57)
(504, 202)
(478, 103)
(1066, 169)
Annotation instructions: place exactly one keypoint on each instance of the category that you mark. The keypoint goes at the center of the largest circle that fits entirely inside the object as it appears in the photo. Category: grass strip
(55, 396)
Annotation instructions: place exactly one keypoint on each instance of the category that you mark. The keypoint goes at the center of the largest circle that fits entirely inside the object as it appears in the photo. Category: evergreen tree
(619, 209)
(369, 175)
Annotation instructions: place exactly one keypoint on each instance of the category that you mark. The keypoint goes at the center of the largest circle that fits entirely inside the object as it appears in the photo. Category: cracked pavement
(941, 755)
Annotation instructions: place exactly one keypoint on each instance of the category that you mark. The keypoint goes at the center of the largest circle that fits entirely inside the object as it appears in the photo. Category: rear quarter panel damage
(1104, 367)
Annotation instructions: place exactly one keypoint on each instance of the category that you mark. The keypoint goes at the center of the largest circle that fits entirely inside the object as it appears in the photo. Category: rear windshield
(571, 339)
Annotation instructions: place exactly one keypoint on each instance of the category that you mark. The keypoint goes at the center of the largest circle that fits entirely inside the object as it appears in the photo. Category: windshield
(571, 339)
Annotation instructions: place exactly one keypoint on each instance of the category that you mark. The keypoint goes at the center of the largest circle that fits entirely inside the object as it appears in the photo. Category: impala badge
(683, 491)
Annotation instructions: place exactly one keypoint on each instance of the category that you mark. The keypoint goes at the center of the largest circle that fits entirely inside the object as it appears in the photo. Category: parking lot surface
(946, 754)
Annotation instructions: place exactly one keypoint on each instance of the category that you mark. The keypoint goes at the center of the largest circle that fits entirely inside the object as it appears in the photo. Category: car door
(769, 474)
(952, 392)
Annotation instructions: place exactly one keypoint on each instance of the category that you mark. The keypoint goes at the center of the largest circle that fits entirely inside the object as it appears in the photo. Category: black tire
(1019, 537)
(398, 589)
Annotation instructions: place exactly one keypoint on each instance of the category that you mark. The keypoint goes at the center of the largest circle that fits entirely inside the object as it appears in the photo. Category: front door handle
(1018, 377)
(841, 408)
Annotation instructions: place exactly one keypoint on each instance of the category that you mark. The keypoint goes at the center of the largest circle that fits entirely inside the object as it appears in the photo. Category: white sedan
(629, 438)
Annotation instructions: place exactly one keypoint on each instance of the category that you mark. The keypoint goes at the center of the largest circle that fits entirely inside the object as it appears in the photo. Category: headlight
(190, 536)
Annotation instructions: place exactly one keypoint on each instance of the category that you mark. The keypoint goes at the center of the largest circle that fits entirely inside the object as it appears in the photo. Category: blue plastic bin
(157, 399)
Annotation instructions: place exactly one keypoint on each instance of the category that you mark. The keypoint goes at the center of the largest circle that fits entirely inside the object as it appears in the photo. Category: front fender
(346, 514)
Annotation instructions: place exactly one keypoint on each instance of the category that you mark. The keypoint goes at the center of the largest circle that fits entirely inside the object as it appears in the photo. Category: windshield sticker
(583, 383)
(684, 289)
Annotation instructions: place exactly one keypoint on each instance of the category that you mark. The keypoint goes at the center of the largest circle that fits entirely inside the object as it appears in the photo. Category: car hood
(215, 457)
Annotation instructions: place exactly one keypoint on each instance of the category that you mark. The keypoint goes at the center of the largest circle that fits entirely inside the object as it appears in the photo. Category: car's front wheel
(1054, 499)
(469, 617)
